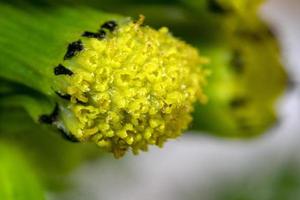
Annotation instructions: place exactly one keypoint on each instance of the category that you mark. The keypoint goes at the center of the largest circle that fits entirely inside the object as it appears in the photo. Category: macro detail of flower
(120, 84)
(81, 79)
(135, 87)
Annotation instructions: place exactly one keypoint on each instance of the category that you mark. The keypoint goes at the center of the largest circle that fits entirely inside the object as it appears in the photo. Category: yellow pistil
(134, 88)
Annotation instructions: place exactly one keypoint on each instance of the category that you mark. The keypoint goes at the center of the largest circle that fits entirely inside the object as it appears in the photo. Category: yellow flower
(135, 87)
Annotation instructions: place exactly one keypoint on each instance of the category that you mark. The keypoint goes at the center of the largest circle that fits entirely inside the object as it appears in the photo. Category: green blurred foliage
(51, 156)
(18, 180)
(244, 86)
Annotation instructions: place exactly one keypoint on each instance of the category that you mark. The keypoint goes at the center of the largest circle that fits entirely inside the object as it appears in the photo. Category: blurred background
(198, 166)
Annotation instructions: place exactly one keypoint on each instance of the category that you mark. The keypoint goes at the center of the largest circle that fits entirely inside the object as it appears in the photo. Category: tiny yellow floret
(133, 88)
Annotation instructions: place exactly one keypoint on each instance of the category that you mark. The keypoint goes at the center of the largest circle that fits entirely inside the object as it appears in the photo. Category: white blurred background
(195, 166)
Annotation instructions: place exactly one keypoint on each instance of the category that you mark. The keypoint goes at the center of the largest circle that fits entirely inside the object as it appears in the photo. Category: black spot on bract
(100, 35)
(110, 25)
(45, 119)
(244, 125)
(52, 117)
(237, 61)
(215, 7)
(64, 96)
(270, 32)
(67, 136)
(81, 102)
(291, 84)
(250, 35)
(73, 48)
(68, 97)
(62, 70)
(238, 102)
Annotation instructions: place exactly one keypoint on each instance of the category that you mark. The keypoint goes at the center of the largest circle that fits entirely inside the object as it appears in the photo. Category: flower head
(132, 88)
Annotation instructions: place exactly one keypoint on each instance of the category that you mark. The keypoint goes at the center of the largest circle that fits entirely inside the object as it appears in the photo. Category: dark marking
(52, 117)
(244, 124)
(102, 32)
(215, 7)
(291, 84)
(238, 102)
(237, 61)
(270, 32)
(254, 36)
(73, 48)
(62, 70)
(277, 123)
(67, 136)
(110, 25)
(63, 96)
(81, 102)
(245, 127)
(100, 35)
(45, 119)
(68, 97)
